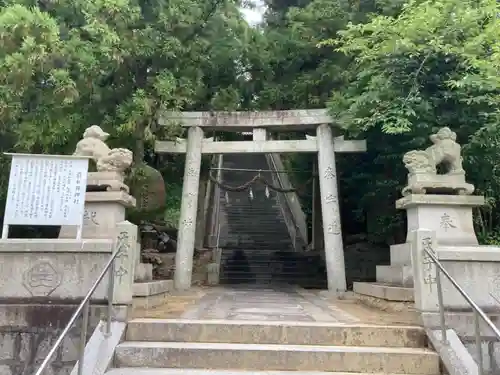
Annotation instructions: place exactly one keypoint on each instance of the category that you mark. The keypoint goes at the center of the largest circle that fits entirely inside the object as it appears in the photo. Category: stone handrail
(296, 220)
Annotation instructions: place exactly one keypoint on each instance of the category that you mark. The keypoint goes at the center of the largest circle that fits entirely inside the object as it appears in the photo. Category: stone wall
(28, 331)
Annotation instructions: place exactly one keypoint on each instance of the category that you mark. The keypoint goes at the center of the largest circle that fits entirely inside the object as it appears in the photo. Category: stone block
(213, 273)
(476, 270)
(450, 216)
(143, 272)
(152, 288)
(395, 274)
(7, 343)
(149, 302)
(42, 269)
(462, 322)
(401, 254)
(384, 291)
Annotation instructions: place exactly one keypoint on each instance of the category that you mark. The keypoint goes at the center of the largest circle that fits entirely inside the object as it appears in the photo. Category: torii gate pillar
(330, 211)
(189, 209)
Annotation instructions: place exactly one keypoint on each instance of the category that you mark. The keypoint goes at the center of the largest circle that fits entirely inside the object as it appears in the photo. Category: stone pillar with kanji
(332, 230)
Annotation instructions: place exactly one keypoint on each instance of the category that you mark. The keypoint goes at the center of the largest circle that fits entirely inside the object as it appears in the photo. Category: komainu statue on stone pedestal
(422, 165)
(115, 161)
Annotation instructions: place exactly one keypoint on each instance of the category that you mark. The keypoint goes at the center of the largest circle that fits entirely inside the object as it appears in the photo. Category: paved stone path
(265, 304)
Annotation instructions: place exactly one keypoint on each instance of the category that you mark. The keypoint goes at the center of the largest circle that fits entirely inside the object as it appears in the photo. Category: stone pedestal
(449, 216)
(103, 209)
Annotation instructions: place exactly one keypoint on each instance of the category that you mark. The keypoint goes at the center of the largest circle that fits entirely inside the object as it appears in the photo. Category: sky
(254, 16)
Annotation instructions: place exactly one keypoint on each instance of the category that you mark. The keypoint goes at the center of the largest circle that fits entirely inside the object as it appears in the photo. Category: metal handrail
(478, 312)
(85, 307)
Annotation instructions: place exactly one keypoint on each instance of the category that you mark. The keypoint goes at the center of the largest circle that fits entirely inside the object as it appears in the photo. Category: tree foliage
(395, 72)
(65, 65)
(390, 71)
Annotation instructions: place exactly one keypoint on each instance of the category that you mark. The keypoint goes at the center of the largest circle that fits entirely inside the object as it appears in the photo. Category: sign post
(46, 190)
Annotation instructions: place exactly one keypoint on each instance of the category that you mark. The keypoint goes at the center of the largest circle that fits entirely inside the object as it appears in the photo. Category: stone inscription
(90, 217)
(192, 172)
(192, 199)
(46, 190)
(123, 246)
(334, 228)
(42, 279)
(331, 198)
(187, 222)
(329, 173)
(447, 222)
(428, 266)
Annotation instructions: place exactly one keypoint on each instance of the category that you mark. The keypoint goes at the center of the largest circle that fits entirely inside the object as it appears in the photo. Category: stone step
(151, 294)
(174, 371)
(276, 357)
(385, 291)
(151, 288)
(396, 274)
(295, 333)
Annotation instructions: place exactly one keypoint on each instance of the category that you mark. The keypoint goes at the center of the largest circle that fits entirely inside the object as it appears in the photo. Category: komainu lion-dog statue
(422, 166)
(115, 160)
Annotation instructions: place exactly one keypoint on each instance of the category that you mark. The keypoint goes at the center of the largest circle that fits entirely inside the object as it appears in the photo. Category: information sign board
(46, 190)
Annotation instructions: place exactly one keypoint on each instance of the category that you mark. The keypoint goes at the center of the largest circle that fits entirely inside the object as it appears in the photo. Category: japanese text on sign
(46, 190)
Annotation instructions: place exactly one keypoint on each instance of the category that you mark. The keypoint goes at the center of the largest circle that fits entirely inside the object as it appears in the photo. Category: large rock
(148, 187)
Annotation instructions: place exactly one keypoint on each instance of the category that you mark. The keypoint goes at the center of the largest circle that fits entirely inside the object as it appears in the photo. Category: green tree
(65, 65)
(434, 64)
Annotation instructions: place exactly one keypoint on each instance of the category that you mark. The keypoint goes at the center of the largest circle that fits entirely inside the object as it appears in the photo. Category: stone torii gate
(260, 123)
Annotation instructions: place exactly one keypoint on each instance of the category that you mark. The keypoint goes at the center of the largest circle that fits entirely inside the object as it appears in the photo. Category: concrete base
(100, 349)
(384, 291)
(454, 355)
(151, 294)
(27, 332)
(463, 326)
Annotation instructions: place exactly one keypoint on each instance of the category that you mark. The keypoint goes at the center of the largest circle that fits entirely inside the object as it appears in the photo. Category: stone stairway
(162, 346)
(257, 247)
(256, 244)
(253, 222)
